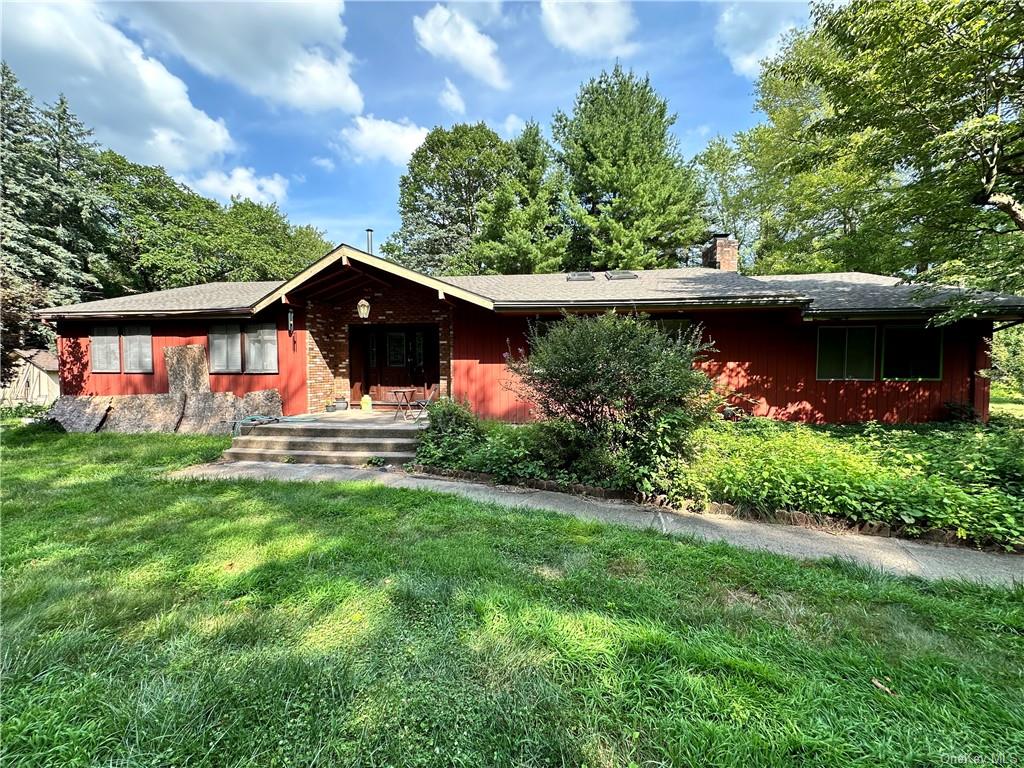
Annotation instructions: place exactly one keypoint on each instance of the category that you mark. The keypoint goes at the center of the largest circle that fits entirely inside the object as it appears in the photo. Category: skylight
(620, 274)
(576, 277)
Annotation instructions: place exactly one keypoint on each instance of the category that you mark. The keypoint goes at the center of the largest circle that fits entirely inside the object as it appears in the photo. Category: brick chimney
(723, 252)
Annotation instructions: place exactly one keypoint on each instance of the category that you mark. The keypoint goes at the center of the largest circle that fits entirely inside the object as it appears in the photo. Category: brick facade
(327, 324)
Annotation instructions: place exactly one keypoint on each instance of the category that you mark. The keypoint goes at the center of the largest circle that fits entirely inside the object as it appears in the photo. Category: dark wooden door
(387, 357)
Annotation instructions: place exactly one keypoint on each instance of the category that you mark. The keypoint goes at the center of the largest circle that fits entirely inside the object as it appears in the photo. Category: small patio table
(401, 395)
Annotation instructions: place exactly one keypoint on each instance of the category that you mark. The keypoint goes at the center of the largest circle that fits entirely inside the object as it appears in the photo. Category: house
(818, 348)
(34, 381)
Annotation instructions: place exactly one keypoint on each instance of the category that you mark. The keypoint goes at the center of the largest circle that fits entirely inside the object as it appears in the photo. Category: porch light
(363, 308)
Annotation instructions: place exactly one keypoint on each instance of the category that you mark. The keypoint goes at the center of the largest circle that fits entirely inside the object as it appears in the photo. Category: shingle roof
(853, 292)
(40, 358)
(209, 297)
(687, 286)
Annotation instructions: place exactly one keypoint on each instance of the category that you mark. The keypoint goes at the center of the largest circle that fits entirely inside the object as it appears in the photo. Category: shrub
(964, 478)
(453, 431)
(630, 388)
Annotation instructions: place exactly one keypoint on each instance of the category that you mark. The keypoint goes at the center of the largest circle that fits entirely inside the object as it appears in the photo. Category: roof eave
(56, 314)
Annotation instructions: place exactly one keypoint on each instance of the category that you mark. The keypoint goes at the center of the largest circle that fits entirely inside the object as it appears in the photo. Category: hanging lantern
(363, 308)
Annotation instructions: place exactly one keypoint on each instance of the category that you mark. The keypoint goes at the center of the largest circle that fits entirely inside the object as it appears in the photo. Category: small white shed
(35, 382)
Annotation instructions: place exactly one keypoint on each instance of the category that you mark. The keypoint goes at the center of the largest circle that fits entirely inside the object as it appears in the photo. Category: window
(418, 349)
(226, 348)
(912, 353)
(261, 348)
(106, 350)
(674, 328)
(396, 350)
(138, 349)
(846, 353)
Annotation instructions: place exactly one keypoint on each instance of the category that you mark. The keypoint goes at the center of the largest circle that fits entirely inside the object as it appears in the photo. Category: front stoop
(335, 442)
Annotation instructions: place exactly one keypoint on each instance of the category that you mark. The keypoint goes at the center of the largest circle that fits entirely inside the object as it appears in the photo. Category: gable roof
(42, 359)
(821, 294)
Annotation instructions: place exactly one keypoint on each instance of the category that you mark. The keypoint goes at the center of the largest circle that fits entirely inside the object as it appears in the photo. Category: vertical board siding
(77, 377)
(479, 373)
(766, 361)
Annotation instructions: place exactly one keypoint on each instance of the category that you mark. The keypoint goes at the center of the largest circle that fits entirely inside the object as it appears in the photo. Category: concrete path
(898, 556)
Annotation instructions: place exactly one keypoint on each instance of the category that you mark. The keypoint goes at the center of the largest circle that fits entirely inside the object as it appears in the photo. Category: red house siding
(769, 358)
(78, 378)
(479, 375)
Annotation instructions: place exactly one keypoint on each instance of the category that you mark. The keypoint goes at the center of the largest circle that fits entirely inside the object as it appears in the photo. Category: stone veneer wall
(327, 325)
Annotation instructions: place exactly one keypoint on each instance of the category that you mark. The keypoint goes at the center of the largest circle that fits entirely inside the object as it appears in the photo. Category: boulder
(209, 413)
(186, 368)
(80, 413)
(135, 414)
(262, 402)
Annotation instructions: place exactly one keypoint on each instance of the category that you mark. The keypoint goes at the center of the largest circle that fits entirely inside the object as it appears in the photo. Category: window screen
(261, 348)
(138, 349)
(106, 350)
(226, 349)
(846, 353)
(912, 353)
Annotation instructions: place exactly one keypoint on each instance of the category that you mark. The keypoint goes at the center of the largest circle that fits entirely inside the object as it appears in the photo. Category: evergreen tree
(636, 204)
(75, 211)
(449, 175)
(523, 230)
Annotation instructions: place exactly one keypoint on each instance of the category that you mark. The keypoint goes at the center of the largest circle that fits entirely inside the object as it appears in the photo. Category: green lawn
(149, 622)
(1007, 402)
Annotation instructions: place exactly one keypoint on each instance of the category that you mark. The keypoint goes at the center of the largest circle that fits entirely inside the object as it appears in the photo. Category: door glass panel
(396, 350)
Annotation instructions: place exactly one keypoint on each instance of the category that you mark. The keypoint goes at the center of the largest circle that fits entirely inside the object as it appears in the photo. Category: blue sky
(316, 106)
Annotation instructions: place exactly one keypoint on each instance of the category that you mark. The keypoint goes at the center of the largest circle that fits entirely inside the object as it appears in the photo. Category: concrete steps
(323, 442)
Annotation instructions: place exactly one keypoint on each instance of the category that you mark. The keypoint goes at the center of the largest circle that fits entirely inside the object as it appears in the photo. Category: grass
(1006, 402)
(154, 622)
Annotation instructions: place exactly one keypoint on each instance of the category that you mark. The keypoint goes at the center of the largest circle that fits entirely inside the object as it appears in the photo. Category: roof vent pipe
(369, 241)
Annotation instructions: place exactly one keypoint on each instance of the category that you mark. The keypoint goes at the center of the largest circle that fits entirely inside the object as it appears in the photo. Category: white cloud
(451, 99)
(324, 162)
(447, 34)
(242, 182)
(289, 54)
(512, 125)
(483, 12)
(372, 139)
(750, 33)
(596, 29)
(135, 105)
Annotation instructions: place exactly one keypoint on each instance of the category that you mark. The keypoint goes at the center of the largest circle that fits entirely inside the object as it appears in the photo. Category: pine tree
(636, 204)
(75, 213)
(523, 230)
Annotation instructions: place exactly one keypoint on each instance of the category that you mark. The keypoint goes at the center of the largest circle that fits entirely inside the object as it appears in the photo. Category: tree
(164, 235)
(724, 176)
(449, 175)
(522, 229)
(635, 203)
(934, 90)
(44, 247)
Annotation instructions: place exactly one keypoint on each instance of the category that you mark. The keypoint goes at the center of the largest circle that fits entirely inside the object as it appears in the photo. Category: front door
(386, 357)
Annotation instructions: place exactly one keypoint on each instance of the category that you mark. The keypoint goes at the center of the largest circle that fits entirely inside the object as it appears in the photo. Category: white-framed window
(105, 349)
(261, 348)
(138, 349)
(226, 348)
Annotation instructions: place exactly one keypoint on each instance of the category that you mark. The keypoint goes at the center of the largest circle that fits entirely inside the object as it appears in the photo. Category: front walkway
(897, 556)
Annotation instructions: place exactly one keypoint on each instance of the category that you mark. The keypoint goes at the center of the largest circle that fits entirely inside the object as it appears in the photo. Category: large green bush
(628, 387)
